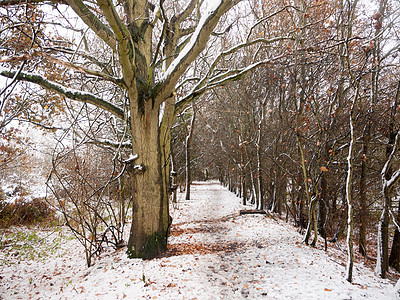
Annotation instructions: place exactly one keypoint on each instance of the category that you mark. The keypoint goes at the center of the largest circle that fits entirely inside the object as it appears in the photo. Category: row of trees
(315, 134)
(311, 131)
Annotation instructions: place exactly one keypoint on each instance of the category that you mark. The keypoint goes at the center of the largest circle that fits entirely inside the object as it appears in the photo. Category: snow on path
(213, 254)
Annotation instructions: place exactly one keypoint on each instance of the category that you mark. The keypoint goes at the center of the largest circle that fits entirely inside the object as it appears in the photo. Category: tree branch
(234, 49)
(93, 22)
(19, 2)
(125, 48)
(390, 183)
(219, 80)
(113, 144)
(388, 163)
(67, 92)
(196, 45)
(186, 31)
(102, 75)
(118, 27)
(187, 11)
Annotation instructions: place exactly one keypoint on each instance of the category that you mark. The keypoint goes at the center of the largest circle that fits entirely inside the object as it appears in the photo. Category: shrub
(24, 212)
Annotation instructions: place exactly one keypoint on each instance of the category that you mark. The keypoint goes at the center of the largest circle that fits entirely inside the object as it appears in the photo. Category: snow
(131, 158)
(397, 290)
(161, 113)
(214, 253)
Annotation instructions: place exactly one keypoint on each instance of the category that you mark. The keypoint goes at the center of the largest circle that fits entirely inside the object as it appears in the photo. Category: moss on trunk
(153, 246)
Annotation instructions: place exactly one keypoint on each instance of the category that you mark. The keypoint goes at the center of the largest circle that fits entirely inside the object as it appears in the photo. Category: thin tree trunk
(349, 239)
(258, 146)
(187, 152)
(259, 181)
(394, 259)
(312, 222)
(322, 209)
(300, 208)
(253, 187)
(362, 240)
(244, 196)
(382, 259)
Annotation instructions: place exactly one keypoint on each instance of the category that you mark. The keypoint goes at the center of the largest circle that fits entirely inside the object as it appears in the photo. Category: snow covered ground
(214, 253)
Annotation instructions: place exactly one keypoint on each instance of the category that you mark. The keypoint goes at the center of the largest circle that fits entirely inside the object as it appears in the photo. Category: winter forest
(199, 149)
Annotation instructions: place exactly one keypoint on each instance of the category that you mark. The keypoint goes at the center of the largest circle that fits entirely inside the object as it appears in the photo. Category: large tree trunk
(150, 218)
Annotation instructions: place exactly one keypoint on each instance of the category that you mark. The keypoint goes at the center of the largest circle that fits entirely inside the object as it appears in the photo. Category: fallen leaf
(327, 290)
(246, 286)
(171, 285)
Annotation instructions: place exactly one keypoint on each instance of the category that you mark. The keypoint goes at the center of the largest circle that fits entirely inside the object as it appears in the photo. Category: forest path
(214, 253)
(254, 256)
(206, 223)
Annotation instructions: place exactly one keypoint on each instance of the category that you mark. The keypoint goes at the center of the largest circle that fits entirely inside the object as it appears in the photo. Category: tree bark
(150, 218)
(394, 258)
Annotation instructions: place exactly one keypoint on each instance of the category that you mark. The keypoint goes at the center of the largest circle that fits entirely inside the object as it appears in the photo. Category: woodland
(115, 107)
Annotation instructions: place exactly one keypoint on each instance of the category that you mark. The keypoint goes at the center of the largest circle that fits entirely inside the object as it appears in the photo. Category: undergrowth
(23, 243)
(22, 211)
